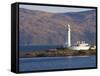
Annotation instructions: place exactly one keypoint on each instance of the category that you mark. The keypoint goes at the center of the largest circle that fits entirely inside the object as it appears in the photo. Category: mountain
(42, 28)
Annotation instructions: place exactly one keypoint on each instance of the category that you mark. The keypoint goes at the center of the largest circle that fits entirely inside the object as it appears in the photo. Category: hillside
(42, 28)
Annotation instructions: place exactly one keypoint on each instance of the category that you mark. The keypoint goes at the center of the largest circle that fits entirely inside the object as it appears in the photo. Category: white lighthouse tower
(69, 36)
(68, 41)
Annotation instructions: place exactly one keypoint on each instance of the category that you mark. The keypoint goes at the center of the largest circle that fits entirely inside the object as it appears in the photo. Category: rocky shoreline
(56, 53)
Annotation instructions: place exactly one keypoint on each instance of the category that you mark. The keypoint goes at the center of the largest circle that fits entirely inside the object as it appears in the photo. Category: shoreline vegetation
(58, 52)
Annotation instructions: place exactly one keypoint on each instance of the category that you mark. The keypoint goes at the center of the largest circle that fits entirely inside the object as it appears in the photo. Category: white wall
(5, 44)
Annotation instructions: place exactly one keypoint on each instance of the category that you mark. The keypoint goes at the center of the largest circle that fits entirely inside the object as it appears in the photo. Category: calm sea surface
(38, 47)
(47, 63)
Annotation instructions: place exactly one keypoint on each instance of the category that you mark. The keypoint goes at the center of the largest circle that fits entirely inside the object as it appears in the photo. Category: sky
(54, 9)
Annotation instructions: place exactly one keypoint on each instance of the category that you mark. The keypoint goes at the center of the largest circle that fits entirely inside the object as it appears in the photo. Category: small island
(57, 53)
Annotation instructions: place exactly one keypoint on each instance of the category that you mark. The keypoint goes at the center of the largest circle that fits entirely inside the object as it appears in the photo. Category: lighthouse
(68, 40)
(69, 36)
(79, 45)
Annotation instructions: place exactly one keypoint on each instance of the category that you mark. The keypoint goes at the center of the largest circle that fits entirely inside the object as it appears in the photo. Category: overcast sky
(53, 9)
